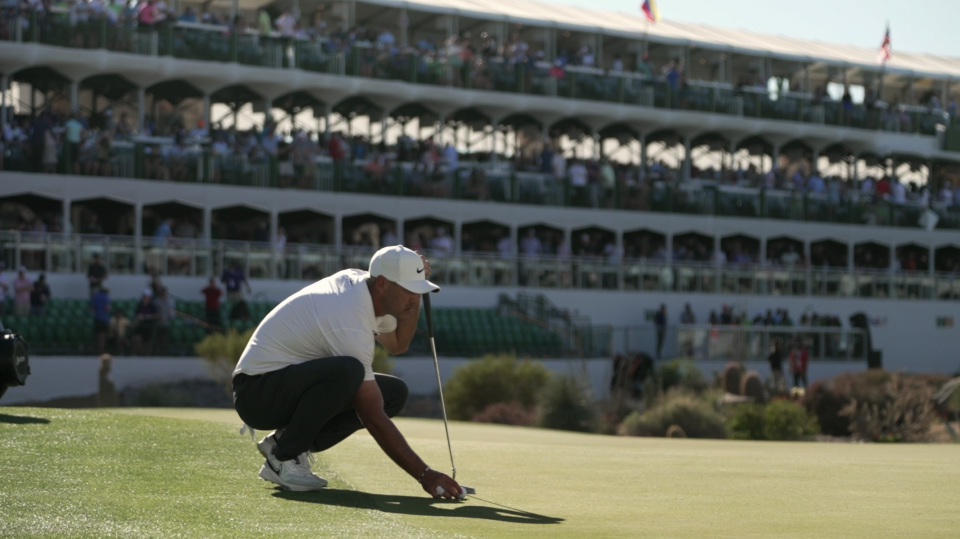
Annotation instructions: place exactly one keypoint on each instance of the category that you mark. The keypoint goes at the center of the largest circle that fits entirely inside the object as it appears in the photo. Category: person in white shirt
(286, 24)
(531, 245)
(578, 174)
(790, 258)
(441, 244)
(307, 371)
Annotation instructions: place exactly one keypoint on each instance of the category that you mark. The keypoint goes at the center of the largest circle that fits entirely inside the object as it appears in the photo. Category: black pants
(800, 377)
(312, 401)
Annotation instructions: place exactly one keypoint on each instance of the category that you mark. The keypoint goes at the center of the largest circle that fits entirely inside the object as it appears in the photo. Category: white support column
(138, 238)
(141, 104)
(493, 153)
(850, 256)
(67, 222)
(74, 95)
(206, 112)
(815, 164)
(207, 225)
(457, 236)
(326, 128)
(891, 265)
(932, 257)
(274, 229)
(441, 123)
(774, 157)
(686, 159)
(763, 251)
(668, 246)
(338, 232)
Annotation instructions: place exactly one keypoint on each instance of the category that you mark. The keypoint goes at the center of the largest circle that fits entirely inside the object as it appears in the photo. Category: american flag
(885, 49)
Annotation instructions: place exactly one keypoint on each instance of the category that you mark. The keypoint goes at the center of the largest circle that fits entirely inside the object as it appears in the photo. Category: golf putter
(443, 407)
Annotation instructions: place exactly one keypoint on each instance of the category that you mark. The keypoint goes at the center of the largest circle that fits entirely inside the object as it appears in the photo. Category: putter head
(468, 490)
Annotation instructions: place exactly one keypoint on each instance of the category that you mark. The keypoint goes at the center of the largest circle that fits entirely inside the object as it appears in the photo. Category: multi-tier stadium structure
(754, 171)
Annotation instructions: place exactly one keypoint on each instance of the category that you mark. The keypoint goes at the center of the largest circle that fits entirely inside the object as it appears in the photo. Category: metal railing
(740, 343)
(219, 44)
(72, 253)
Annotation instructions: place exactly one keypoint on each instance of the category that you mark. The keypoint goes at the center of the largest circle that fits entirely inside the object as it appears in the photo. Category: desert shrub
(871, 389)
(902, 412)
(825, 403)
(785, 420)
(681, 373)
(506, 413)
(697, 418)
(752, 386)
(492, 379)
(731, 377)
(564, 405)
(221, 352)
(382, 362)
(746, 422)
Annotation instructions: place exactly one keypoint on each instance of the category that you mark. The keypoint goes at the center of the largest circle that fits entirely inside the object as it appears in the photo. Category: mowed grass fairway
(188, 473)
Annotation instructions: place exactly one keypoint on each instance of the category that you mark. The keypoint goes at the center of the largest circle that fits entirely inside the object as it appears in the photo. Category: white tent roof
(634, 26)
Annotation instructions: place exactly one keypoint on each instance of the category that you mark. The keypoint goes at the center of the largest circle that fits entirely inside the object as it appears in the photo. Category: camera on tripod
(14, 360)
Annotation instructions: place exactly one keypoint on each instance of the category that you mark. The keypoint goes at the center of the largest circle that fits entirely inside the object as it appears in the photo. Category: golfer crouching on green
(307, 372)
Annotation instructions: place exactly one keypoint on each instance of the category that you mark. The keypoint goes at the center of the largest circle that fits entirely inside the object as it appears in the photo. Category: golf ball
(440, 492)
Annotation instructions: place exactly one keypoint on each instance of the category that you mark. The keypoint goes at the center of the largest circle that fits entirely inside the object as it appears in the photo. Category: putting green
(164, 472)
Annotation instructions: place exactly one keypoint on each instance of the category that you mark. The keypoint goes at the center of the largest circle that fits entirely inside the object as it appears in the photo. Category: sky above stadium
(927, 26)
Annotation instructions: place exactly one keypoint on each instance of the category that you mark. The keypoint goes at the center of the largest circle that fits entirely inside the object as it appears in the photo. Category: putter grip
(428, 314)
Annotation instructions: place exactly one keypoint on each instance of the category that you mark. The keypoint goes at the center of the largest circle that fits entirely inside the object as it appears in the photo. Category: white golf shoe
(294, 474)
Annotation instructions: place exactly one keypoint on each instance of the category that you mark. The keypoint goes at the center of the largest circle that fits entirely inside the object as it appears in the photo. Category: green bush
(493, 379)
(506, 413)
(696, 417)
(565, 406)
(222, 351)
(785, 420)
(779, 420)
(681, 373)
(747, 422)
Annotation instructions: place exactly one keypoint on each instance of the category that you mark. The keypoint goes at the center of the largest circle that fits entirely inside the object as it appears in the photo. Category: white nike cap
(402, 266)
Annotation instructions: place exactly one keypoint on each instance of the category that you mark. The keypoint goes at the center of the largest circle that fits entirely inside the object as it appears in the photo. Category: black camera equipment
(14, 360)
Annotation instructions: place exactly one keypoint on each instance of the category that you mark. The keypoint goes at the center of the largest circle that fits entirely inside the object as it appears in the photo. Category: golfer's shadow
(412, 505)
(22, 419)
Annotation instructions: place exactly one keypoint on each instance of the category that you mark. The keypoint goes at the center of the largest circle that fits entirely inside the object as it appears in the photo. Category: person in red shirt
(212, 294)
(799, 357)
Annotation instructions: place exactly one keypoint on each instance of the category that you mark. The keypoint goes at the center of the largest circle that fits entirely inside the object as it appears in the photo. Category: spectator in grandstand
(163, 231)
(118, 333)
(100, 305)
(790, 258)
(22, 287)
(235, 280)
(39, 296)
(390, 237)
(660, 322)
(144, 322)
(579, 178)
(531, 245)
(212, 294)
(96, 274)
(799, 357)
(687, 316)
(73, 135)
(441, 244)
(775, 358)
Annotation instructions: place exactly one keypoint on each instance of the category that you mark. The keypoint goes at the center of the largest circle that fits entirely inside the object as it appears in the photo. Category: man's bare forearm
(406, 329)
(395, 446)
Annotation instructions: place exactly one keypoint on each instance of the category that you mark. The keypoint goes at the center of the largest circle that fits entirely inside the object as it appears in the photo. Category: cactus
(752, 386)
(732, 376)
(675, 431)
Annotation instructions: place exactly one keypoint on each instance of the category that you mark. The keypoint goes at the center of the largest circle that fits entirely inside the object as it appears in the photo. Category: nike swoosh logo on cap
(420, 270)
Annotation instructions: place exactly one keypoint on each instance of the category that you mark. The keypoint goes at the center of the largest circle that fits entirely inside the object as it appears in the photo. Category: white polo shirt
(332, 317)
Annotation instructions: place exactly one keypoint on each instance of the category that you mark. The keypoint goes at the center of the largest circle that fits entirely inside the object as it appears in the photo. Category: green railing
(217, 44)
